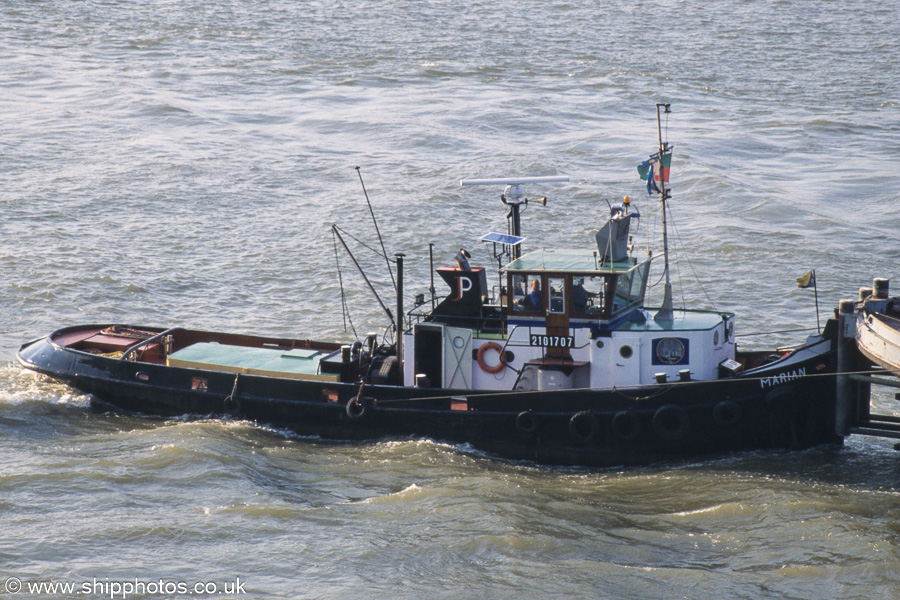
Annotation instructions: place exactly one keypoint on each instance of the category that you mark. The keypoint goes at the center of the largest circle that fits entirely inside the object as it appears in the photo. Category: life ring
(527, 421)
(727, 413)
(583, 426)
(671, 422)
(357, 408)
(480, 356)
(231, 405)
(626, 424)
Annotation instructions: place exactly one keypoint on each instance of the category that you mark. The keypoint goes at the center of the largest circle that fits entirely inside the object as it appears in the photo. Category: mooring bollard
(881, 288)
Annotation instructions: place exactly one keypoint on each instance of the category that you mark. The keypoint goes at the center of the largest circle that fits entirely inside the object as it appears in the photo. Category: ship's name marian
(782, 378)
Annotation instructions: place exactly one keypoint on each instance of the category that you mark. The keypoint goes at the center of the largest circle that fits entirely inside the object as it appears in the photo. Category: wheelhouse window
(557, 287)
(527, 297)
(630, 287)
(587, 295)
(518, 289)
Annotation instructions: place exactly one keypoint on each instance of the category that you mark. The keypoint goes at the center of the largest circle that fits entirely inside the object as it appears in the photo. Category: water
(181, 163)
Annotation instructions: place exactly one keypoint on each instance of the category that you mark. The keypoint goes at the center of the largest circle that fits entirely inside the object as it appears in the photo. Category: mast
(514, 196)
(400, 326)
(514, 221)
(665, 312)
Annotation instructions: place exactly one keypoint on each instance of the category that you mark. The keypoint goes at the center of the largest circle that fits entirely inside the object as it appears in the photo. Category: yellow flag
(808, 280)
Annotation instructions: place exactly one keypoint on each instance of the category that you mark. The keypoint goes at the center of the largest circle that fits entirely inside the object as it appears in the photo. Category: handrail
(130, 351)
(875, 380)
(483, 322)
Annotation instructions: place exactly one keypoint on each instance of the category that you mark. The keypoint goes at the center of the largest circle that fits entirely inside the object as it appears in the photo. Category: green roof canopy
(571, 261)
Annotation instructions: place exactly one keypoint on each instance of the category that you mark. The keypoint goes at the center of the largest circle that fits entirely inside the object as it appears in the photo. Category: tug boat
(560, 362)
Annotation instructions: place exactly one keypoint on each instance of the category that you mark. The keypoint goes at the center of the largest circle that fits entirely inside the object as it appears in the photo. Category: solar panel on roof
(502, 238)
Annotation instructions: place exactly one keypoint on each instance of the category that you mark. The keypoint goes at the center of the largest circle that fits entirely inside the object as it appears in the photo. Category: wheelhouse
(576, 285)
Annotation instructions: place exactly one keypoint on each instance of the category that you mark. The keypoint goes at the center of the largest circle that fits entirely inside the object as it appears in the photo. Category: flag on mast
(808, 280)
(655, 170)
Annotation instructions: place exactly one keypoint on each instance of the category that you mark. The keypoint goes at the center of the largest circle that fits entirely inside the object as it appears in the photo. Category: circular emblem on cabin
(670, 351)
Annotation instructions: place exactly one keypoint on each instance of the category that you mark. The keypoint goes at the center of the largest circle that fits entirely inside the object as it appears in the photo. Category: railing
(887, 426)
(128, 355)
(489, 324)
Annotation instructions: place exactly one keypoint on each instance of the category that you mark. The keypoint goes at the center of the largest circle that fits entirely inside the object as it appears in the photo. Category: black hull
(770, 409)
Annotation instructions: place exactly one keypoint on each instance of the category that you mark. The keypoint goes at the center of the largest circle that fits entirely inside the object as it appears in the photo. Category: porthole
(599, 343)
(626, 351)
(716, 337)
(670, 351)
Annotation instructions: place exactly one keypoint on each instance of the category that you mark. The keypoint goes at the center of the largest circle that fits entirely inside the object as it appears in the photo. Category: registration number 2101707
(552, 341)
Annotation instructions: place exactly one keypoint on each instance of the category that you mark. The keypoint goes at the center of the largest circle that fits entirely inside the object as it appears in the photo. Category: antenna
(515, 180)
(514, 196)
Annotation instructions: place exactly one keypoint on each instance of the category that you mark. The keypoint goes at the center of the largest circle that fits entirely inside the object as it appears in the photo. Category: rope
(775, 332)
(233, 389)
(127, 332)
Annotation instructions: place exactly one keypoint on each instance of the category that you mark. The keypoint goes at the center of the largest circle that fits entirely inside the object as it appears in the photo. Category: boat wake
(21, 386)
(403, 495)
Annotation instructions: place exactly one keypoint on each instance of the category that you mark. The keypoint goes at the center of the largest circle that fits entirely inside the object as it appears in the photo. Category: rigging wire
(690, 264)
(651, 232)
(375, 221)
(345, 309)
(360, 242)
(337, 233)
(678, 238)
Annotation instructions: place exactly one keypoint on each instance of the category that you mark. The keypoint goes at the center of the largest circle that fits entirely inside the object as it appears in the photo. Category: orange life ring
(484, 366)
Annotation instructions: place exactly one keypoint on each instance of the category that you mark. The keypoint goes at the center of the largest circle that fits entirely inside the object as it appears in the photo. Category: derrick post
(400, 321)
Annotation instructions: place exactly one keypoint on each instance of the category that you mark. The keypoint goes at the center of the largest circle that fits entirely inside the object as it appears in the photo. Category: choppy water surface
(181, 163)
